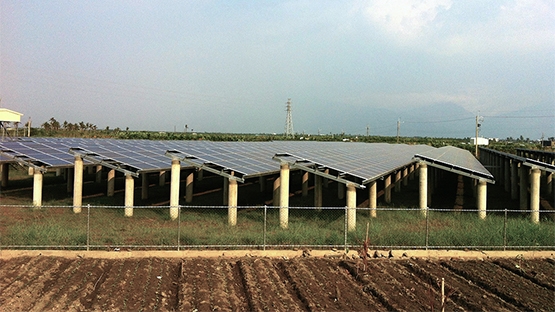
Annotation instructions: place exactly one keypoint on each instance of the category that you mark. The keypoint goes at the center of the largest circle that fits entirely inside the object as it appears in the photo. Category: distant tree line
(53, 128)
(54, 125)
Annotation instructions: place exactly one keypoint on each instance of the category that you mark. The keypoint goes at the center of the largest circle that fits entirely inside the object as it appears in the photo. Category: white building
(481, 141)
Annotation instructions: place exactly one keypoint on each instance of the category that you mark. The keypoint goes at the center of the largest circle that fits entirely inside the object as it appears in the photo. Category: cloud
(406, 20)
(444, 27)
(524, 26)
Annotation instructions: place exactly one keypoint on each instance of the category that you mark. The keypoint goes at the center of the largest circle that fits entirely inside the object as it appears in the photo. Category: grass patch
(209, 226)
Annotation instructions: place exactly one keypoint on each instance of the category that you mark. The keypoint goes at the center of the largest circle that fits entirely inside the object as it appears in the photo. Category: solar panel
(363, 162)
(456, 159)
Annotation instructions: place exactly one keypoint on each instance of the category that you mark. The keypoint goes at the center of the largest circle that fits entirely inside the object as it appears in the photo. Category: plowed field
(45, 283)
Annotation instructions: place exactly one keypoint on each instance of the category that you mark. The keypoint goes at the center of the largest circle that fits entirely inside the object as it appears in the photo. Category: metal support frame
(315, 168)
(206, 165)
(105, 162)
(24, 160)
(453, 168)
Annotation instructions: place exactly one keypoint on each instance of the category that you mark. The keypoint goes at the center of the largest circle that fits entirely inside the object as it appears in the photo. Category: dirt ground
(295, 280)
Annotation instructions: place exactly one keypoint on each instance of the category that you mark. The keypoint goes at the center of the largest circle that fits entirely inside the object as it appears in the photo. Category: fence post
(178, 226)
(505, 231)
(88, 226)
(427, 227)
(345, 230)
(264, 235)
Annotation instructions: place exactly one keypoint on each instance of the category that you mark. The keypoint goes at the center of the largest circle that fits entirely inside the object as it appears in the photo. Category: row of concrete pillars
(393, 181)
(520, 180)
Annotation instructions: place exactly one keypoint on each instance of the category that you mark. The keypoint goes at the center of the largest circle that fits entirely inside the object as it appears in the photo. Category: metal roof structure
(524, 160)
(347, 162)
(355, 162)
(456, 160)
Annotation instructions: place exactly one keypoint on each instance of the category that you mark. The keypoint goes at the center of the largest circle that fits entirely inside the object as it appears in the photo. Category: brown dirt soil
(275, 281)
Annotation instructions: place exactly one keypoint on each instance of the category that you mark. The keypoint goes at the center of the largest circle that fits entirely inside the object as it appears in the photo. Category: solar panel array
(364, 161)
(456, 158)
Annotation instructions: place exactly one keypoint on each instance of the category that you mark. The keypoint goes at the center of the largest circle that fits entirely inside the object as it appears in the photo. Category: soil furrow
(355, 298)
(133, 282)
(33, 287)
(251, 286)
(425, 294)
(534, 271)
(303, 283)
(464, 292)
(235, 289)
(81, 284)
(99, 276)
(507, 285)
(58, 287)
(112, 284)
(271, 283)
(367, 279)
(21, 275)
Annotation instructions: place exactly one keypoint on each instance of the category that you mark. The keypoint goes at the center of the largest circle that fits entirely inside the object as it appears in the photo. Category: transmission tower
(289, 122)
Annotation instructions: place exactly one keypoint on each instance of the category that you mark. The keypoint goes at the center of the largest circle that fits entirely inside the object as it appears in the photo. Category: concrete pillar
(535, 194)
(405, 176)
(111, 183)
(305, 184)
(412, 171)
(276, 192)
(144, 186)
(387, 189)
(284, 196)
(37, 188)
(226, 191)
(129, 194)
(482, 198)
(98, 174)
(174, 188)
(31, 171)
(514, 180)
(70, 172)
(262, 183)
(423, 187)
(373, 198)
(5, 174)
(340, 190)
(398, 181)
(162, 178)
(549, 183)
(431, 183)
(551, 190)
(78, 185)
(232, 202)
(507, 174)
(318, 191)
(351, 208)
(200, 175)
(189, 187)
(524, 176)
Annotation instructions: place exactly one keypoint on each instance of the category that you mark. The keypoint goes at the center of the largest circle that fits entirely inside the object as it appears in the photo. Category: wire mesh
(260, 227)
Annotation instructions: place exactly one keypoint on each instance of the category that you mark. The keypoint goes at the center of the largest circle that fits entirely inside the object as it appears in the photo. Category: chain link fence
(201, 227)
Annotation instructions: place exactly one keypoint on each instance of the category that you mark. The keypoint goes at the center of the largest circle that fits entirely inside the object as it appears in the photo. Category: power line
(440, 121)
(518, 117)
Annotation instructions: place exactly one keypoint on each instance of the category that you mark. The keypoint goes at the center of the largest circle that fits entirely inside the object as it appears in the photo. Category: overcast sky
(230, 66)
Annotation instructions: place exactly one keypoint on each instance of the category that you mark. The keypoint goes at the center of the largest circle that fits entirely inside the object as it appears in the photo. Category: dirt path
(397, 254)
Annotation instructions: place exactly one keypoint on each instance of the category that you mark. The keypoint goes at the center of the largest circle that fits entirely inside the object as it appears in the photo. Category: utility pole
(29, 127)
(478, 124)
(289, 122)
(398, 129)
